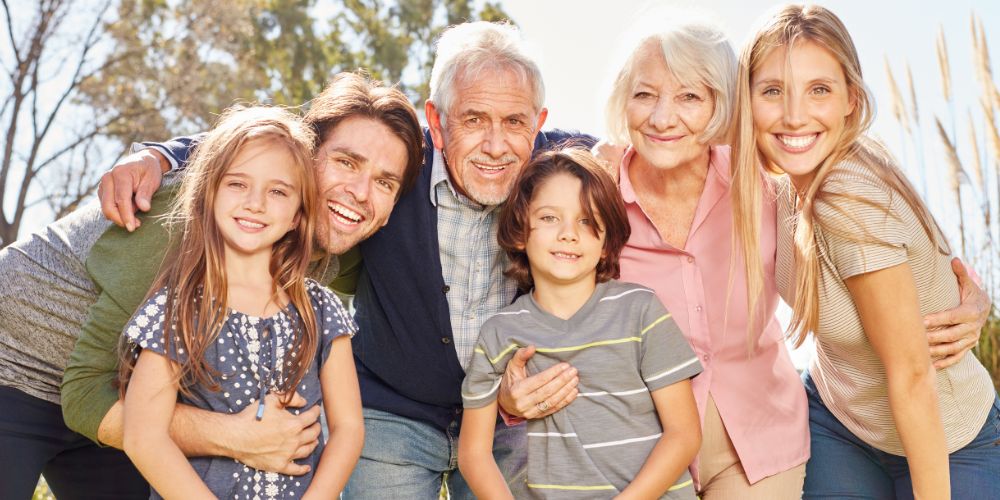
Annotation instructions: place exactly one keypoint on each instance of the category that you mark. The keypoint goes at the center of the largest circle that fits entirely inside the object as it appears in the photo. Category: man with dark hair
(81, 272)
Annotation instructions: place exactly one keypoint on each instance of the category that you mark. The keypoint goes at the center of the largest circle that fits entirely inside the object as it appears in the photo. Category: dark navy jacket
(407, 364)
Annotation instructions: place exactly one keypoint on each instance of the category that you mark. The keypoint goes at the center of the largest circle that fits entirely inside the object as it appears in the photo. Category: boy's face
(562, 248)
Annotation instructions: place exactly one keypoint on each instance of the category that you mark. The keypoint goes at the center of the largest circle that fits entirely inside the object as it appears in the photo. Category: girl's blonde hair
(793, 24)
(193, 271)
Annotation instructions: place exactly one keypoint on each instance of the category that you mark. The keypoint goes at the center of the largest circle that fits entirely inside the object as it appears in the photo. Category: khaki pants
(722, 475)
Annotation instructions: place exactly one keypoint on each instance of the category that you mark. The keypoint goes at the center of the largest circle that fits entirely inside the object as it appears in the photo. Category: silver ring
(543, 406)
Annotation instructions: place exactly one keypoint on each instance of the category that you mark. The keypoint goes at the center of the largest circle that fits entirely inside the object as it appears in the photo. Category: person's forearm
(914, 404)
(480, 471)
(162, 464)
(672, 454)
(196, 432)
(338, 461)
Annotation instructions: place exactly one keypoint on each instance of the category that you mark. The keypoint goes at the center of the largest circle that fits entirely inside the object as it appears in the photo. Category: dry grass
(983, 251)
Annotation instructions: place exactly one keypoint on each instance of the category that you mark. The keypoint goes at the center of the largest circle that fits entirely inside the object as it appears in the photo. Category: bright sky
(583, 42)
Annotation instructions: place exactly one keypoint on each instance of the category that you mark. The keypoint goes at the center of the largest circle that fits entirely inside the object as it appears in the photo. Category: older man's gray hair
(469, 49)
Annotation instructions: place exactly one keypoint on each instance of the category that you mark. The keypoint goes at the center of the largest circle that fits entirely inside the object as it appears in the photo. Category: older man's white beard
(492, 193)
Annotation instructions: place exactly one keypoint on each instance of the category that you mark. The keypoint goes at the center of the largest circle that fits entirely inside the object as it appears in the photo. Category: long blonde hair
(793, 24)
(194, 269)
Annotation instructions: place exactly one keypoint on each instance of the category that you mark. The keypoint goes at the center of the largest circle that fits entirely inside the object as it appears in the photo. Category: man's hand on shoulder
(130, 184)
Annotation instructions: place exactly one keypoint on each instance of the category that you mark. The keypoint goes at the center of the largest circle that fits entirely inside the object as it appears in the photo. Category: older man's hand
(954, 332)
(135, 178)
(538, 395)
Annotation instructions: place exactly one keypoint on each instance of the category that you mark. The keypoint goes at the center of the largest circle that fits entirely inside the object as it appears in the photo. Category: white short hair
(695, 53)
(469, 49)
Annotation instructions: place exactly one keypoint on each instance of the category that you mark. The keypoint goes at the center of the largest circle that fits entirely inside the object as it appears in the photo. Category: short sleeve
(145, 329)
(861, 223)
(332, 317)
(482, 377)
(667, 357)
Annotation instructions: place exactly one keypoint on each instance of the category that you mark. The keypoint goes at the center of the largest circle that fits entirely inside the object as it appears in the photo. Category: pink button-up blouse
(759, 394)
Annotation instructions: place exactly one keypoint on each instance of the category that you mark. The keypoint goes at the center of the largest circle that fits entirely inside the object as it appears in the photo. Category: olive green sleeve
(346, 282)
(123, 266)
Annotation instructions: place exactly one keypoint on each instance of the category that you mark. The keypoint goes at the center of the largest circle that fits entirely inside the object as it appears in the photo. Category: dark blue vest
(406, 362)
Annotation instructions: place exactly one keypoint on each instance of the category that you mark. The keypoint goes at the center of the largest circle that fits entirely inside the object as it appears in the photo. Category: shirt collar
(439, 174)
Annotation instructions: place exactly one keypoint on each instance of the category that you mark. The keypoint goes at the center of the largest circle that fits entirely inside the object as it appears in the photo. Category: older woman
(672, 102)
(675, 180)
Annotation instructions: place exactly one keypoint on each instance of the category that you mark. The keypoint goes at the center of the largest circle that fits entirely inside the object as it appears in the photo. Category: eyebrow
(350, 153)
(245, 176)
(360, 158)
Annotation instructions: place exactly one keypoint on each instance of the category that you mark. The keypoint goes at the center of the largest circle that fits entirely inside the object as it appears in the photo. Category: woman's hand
(538, 395)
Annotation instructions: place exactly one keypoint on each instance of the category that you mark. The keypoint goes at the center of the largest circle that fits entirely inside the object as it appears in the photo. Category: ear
(432, 113)
(295, 222)
(542, 115)
(852, 103)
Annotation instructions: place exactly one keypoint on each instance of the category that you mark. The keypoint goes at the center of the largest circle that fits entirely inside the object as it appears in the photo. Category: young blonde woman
(860, 259)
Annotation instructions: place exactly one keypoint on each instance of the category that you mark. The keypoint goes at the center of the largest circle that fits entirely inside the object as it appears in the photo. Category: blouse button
(690, 260)
(697, 308)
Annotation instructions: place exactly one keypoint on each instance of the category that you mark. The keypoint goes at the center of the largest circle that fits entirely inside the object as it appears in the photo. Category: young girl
(232, 318)
(860, 258)
(634, 429)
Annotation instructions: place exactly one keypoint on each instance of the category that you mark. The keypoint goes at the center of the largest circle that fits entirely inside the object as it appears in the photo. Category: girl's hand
(954, 332)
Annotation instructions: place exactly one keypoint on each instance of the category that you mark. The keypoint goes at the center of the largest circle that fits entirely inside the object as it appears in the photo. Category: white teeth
(565, 255)
(491, 168)
(798, 142)
(248, 224)
(345, 214)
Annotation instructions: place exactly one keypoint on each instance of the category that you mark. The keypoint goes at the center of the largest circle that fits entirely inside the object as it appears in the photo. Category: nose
(569, 231)
(795, 112)
(663, 115)
(360, 186)
(255, 200)
(494, 142)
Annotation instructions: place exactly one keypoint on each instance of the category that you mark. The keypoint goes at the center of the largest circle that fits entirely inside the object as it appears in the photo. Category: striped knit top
(624, 344)
(848, 373)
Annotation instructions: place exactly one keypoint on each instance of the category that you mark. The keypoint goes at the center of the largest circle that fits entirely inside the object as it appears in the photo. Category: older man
(79, 274)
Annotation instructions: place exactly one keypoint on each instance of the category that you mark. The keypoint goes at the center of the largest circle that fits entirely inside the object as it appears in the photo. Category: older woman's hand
(609, 156)
(538, 395)
(953, 332)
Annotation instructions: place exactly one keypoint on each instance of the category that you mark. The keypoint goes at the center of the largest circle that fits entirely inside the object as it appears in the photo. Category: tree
(44, 160)
(152, 69)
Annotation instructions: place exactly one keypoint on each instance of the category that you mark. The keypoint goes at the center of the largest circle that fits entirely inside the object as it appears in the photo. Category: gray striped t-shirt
(624, 344)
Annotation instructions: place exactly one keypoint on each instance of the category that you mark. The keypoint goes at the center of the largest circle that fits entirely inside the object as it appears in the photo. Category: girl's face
(665, 117)
(562, 248)
(259, 198)
(800, 103)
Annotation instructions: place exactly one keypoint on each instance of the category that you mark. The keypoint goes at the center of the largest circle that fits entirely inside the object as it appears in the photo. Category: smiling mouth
(664, 138)
(344, 215)
(491, 168)
(566, 256)
(801, 142)
(249, 224)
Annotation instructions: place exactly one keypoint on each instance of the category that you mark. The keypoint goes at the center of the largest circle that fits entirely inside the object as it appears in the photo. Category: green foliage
(988, 350)
(190, 59)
